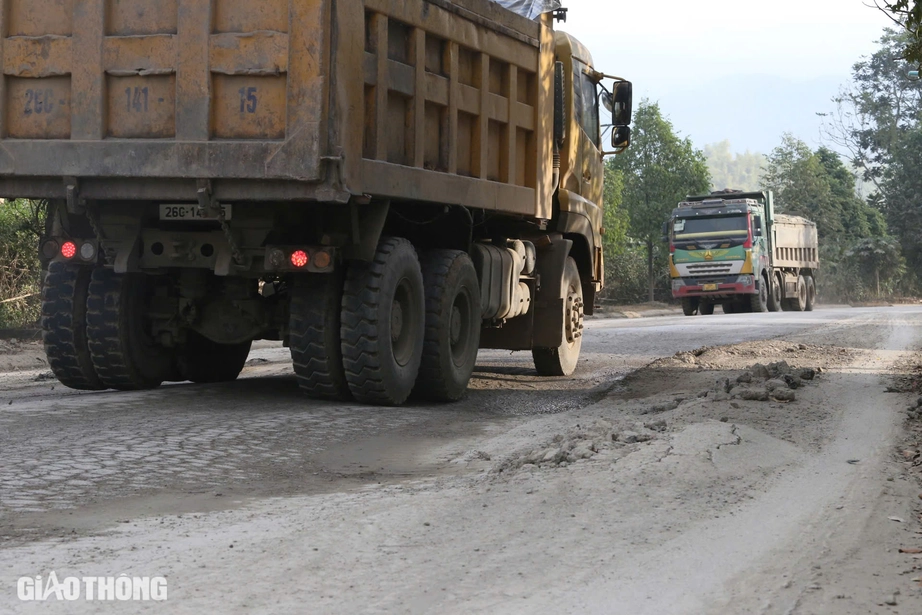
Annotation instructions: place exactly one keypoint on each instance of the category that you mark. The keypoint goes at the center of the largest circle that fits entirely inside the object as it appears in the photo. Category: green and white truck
(731, 248)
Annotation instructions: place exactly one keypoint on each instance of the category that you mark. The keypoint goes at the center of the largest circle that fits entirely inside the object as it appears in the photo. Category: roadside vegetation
(21, 223)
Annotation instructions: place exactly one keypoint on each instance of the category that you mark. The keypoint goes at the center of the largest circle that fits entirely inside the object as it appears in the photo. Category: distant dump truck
(731, 248)
(384, 186)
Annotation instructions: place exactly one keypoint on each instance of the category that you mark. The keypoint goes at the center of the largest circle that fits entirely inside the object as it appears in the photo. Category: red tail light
(299, 258)
(672, 248)
(68, 249)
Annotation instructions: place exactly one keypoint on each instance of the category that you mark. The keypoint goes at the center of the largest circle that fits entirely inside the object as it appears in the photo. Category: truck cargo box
(795, 242)
(310, 100)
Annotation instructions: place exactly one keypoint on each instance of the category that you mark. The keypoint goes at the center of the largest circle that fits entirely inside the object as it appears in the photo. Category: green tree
(879, 261)
(908, 15)
(876, 111)
(902, 183)
(818, 186)
(729, 170)
(615, 219)
(659, 170)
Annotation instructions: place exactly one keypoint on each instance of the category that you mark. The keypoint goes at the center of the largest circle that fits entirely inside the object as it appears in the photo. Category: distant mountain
(751, 111)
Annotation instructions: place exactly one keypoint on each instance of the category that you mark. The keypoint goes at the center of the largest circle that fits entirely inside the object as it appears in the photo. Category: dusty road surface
(770, 472)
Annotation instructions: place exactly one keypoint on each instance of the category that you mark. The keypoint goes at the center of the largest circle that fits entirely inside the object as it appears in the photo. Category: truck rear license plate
(709, 287)
(191, 213)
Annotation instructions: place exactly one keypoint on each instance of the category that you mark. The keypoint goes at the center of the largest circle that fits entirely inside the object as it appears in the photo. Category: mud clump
(580, 443)
(773, 382)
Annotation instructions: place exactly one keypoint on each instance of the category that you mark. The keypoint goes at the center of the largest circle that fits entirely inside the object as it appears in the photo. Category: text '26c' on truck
(732, 248)
(384, 186)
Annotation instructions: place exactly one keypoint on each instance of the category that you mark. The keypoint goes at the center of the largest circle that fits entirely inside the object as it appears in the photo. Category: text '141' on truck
(384, 186)
(731, 248)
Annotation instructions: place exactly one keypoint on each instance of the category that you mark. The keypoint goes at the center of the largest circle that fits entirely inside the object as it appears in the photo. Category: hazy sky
(670, 48)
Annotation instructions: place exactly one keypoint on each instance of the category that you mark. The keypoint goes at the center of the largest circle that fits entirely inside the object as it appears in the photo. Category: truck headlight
(677, 284)
(745, 280)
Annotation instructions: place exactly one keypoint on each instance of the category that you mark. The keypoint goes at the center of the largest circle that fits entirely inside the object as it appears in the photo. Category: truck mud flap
(548, 305)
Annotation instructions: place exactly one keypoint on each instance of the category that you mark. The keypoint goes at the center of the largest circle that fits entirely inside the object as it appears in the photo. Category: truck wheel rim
(460, 327)
(574, 317)
(402, 322)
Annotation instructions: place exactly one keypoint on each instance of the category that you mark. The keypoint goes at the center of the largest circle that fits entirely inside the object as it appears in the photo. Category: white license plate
(191, 212)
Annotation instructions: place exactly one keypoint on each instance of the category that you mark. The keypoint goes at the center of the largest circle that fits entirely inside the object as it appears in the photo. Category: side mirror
(620, 137)
(623, 103)
(560, 127)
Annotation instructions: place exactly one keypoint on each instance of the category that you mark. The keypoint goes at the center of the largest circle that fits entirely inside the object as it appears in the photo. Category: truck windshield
(712, 226)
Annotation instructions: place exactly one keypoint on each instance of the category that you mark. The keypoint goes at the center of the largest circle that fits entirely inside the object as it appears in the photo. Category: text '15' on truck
(731, 248)
(384, 186)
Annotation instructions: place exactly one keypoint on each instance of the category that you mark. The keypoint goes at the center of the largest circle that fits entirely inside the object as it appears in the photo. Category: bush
(871, 268)
(21, 225)
(626, 277)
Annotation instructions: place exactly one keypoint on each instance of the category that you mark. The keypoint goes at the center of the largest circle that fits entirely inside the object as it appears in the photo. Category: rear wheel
(759, 301)
(452, 325)
(774, 296)
(729, 307)
(202, 360)
(690, 306)
(561, 361)
(64, 326)
(314, 336)
(811, 294)
(383, 324)
(705, 308)
(120, 348)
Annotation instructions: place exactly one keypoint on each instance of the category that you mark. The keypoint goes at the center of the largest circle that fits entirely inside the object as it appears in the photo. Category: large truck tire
(729, 307)
(64, 326)
(562, 360)
(383, 324)
(811, 294)
(123, 355)
(759, 301)
(705, 308)
(774, 295)
(690, 306)
(452, 325)
(314, 336)
(203, 361)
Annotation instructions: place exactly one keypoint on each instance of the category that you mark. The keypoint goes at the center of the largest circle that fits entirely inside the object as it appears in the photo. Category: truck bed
(310, 100)
(795, 242)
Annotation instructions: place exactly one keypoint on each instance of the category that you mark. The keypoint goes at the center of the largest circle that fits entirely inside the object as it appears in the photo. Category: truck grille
(720, 268)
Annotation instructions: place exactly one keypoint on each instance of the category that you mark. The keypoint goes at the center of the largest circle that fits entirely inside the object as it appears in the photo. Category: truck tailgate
(172, 88)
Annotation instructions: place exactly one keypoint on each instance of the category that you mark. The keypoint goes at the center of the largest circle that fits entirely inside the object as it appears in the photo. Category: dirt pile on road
(632, 421)
(19, 355)
(759, 384)
(776, 381)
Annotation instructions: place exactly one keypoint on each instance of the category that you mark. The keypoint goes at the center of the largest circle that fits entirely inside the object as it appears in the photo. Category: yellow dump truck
(386, 186)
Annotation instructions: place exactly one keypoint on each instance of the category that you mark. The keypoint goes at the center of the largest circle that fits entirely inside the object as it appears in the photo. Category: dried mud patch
(768, 387)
